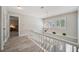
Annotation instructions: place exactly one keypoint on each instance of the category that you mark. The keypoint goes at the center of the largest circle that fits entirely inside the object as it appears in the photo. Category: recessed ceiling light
(19, 7)
(42, 7)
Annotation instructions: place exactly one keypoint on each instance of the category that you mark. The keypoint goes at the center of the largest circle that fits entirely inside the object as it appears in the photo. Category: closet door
(3, 27)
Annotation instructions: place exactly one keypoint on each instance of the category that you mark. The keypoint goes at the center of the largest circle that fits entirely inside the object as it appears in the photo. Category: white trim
(78, 25)
(12, 14)
(66, 41)
(68, 36)
(3, 26)
(23, 34)
(6, 39)
(2, 43)
(39, 45)
(72, 37)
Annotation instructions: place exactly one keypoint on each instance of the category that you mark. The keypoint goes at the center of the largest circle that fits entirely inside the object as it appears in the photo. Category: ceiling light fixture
(42, 7)
(19, 7)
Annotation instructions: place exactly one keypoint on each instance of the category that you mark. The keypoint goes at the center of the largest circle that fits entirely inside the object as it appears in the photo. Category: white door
(3, 27)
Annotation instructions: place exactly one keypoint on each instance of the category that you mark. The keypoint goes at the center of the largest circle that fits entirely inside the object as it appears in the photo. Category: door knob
(3, 28)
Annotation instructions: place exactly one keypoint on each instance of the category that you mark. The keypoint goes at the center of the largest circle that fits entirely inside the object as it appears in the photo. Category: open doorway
(14, 26)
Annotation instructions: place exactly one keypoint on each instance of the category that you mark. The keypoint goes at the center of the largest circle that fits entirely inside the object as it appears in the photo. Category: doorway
(14, 26)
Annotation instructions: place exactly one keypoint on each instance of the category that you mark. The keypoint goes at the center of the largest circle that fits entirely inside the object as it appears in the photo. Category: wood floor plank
(21, 44)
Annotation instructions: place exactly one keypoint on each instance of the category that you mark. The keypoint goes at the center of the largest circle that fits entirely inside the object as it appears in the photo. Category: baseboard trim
(22, 35)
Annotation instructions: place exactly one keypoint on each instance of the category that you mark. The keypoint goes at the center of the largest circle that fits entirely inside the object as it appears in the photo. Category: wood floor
(21, 44)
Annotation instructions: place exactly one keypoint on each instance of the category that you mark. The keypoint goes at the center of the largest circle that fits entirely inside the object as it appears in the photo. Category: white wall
(71, 25)
(28, 23)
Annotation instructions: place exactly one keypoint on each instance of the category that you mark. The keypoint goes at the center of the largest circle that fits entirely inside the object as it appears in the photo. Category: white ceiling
(47, 11)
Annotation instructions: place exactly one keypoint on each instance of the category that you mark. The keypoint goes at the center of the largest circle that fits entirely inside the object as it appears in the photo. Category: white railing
(51, 44)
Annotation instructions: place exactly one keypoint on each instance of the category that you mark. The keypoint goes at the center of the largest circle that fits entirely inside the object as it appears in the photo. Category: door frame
(15, 15)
